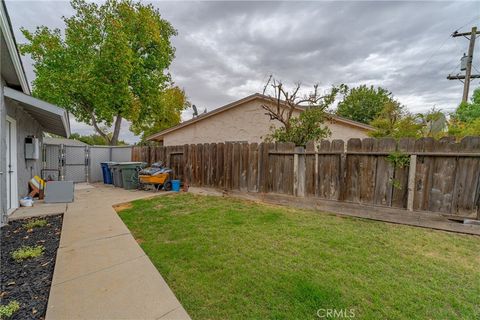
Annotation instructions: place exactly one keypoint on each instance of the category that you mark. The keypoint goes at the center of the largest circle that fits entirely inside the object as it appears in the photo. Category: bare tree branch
(284, 103)
(266, 84)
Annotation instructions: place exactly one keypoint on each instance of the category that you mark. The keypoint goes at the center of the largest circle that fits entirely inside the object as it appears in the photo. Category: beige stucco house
(245, 120)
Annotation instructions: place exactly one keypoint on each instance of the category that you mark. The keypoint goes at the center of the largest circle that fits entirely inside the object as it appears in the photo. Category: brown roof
(242, 101)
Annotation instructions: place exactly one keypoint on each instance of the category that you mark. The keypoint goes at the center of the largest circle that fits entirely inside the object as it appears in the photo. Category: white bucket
(26, 202)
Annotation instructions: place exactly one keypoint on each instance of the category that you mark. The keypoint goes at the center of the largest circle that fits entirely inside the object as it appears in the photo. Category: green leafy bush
(399, 159)
(9, 309)
(27, 252)
(304, 128)
(364, 103)
(35, 223)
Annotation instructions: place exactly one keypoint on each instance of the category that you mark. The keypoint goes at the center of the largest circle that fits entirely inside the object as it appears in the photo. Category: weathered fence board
(288, 169)
(443, 177)
(330, 172)
(323, 183)
(352, 176)
(269, 165)
(244, 159)
(236, 166)
(310, 169)
(423, 176)
(199, 165)
(220, 180)
(227, 162)
(252, 164)
(400, 190)
(385, 171)
(466, 195)
(368, 171)
(281, 179)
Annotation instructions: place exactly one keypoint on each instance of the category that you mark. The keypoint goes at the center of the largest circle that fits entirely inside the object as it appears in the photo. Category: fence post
(411, 181)
(262, 162)
(299, 172)
(87, 164)
(62, 162)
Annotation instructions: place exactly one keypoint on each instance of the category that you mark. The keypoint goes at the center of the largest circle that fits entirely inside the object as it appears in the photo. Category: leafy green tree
(308, 126)
(394, 122)
(462, 129)
(434, 123)
(469, 111)
(363, 103)
(282, 104)
(110, 64)
(172, 101)
(465, 121)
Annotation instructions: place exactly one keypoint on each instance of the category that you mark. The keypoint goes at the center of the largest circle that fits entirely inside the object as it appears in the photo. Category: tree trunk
(116, 131)
(99, 131)
(287, 126)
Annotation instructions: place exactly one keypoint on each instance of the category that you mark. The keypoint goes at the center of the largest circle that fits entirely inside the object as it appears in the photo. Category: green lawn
(232, 259)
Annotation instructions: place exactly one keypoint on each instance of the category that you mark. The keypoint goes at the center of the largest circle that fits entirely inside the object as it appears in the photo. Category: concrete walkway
(101, 272)
(39, 209)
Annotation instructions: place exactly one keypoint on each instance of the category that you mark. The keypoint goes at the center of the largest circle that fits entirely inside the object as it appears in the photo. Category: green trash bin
(116, 174)
(129, 174)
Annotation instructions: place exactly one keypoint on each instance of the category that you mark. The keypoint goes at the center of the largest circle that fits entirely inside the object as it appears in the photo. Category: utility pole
(469, 59)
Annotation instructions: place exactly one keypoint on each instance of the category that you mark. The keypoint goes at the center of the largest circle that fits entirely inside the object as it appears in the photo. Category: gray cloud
(226, 50)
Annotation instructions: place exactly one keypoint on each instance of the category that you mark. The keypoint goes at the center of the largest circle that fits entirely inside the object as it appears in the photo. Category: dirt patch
(122, 206)
(28, 281)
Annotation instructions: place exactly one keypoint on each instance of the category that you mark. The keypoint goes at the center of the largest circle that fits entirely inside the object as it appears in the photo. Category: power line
(443, 43)
(449, 63)
(433, 54)
(475, 68)
(456, 67)
(458, 29)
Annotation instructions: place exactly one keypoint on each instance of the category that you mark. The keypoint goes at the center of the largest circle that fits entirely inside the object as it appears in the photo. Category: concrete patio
(101, 272)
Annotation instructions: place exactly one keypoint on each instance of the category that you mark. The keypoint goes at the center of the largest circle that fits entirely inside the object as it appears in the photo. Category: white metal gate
(80, 163)
(97, 156)
(52, 162)
(75, 163)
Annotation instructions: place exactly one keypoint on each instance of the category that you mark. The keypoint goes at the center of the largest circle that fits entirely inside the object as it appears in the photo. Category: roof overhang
(11, 64)
(52, 118)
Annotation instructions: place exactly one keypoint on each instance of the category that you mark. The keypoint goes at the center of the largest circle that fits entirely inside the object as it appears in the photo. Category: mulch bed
(28, 281)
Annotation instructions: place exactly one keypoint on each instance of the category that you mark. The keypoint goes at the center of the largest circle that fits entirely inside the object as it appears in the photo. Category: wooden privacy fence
(425, 174)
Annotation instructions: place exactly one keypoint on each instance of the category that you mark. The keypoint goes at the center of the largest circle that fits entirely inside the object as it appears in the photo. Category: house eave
(226, 107)
(52, 118)
(7, 33)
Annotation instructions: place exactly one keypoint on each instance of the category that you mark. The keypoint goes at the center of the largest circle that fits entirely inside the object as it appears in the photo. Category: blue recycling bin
(176, 185)
(107, 173)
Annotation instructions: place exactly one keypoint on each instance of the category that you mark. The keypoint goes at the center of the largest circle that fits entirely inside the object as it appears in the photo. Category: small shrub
(8, 310)
(27, 252)
(396, 183)
(35, 223)
(399, 159)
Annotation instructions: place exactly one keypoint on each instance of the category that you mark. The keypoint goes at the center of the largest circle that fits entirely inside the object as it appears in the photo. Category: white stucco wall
(247, 122)
(344, 132)
(3, 159)
(26, 126)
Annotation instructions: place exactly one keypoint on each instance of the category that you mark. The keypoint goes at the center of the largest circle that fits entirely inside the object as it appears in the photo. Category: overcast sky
(227, 50)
